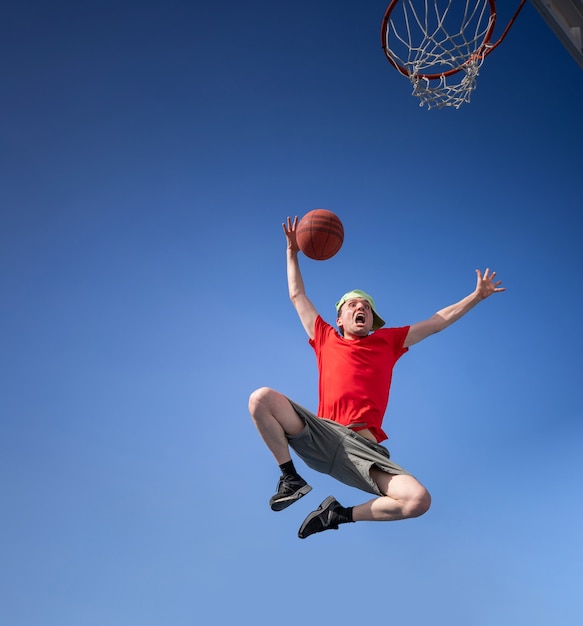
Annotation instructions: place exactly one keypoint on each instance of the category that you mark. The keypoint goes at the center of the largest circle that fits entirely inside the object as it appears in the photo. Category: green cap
(377, 320)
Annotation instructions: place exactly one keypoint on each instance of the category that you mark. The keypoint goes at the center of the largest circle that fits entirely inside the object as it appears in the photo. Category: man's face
(355, 318)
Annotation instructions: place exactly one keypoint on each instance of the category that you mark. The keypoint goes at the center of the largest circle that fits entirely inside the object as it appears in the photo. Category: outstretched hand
(485, 285)
(289, 230)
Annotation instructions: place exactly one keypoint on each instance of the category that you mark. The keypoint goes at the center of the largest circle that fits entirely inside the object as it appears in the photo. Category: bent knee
(258, 397)
(418, 504)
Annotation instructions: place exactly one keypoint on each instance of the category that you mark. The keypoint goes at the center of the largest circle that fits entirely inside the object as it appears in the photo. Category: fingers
(487, 276)
(290, 226)
(487, 283)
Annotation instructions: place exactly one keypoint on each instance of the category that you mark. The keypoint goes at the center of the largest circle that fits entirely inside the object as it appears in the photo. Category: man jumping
(355, 366)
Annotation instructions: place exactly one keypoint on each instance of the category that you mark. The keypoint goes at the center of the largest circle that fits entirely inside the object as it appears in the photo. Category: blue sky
(150, 152)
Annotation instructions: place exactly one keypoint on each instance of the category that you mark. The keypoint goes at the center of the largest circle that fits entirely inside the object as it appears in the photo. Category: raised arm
(485, 286)
(297, 293)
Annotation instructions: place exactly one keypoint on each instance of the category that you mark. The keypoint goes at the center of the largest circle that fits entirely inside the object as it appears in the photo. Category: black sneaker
(323, 518)
(289, 489)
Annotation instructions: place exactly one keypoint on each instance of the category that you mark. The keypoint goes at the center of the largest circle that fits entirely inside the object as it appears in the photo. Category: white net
(450, 91)
(440, 46)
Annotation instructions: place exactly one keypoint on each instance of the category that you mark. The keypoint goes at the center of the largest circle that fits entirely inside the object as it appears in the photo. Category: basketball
(320, 234)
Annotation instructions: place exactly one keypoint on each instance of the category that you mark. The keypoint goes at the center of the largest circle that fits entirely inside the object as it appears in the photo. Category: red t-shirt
(355, 374)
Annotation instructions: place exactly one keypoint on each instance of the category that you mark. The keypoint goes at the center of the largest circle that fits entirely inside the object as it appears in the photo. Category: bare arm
(485, 286)
(297, 293)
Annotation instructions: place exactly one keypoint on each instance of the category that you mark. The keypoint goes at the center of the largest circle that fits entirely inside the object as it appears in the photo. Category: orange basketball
(320, 234)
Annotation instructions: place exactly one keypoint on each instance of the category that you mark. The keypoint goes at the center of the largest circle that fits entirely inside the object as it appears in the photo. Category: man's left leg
(405, 497)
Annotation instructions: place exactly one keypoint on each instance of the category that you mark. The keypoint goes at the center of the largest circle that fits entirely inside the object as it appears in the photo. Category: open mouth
(360, 318)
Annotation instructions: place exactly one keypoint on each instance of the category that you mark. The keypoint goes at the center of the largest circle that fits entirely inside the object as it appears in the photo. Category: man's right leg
(274, 418)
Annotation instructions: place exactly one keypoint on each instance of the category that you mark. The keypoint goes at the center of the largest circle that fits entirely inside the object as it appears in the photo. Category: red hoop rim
(483, 51)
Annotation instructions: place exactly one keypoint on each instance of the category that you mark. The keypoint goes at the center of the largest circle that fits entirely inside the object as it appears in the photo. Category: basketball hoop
(440, 45)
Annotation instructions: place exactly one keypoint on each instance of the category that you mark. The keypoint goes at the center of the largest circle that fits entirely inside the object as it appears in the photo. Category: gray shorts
(334, 449)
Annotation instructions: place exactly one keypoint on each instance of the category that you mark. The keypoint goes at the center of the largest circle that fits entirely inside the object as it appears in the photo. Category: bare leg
(274, 417)
(405, 497)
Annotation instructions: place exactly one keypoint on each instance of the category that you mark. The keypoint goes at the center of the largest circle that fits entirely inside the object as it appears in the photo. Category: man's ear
(339, 323)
